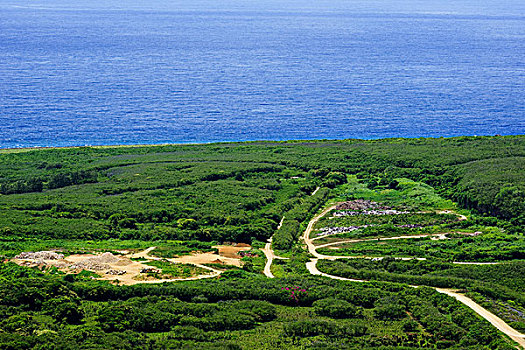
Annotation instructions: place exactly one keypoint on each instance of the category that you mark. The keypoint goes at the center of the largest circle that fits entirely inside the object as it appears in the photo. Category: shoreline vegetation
(202, 143)
(436, 212)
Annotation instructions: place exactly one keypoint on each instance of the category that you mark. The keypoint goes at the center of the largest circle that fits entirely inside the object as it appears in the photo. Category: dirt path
(268, 251)
(487, 315)
(312, 249)
(310, 227)
(312, 268)
(314, 192)
(493, 319)
(309, 242)
(143, 254)
(269, 259)
(476, 263)
(460, 216)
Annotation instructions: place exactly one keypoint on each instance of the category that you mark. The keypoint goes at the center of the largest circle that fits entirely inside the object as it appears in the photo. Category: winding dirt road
(270, 255)
(312, 248)
(269, 259)
(487, 315)
(309, 229)
(493, 319)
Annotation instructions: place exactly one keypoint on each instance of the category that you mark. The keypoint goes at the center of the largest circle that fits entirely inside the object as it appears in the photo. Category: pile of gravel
(97, 263)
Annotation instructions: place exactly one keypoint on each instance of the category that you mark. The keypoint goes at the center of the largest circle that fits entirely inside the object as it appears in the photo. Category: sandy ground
(229, 251)
(228, 255)
(207, 258)
(490, 317)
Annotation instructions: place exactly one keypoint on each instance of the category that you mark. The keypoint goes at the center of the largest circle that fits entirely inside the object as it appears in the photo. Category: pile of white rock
(97, 263)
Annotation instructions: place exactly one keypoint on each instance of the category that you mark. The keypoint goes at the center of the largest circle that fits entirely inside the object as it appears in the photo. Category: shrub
(335, 308)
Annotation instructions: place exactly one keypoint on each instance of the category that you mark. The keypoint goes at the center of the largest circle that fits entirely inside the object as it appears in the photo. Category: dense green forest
(239, 310)
(181, 199)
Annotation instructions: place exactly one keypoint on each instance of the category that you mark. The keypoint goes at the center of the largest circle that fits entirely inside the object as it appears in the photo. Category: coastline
(7, 150)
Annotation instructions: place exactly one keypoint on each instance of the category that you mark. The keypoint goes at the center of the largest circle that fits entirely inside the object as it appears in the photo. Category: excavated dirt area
(230, 251)
(107, 265)
(228, 255)
(123, 269)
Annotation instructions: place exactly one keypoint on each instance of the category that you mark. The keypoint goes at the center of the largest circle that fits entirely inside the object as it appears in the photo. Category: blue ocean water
(133, 72)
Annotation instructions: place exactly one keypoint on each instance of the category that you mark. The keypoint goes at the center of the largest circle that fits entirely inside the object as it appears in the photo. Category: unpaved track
(487, 315)
(312, 268)
(493, 319)
(269, 259)
(143, 254)
(460, 216)
(310, 227)
(268, 251)
(312, 248)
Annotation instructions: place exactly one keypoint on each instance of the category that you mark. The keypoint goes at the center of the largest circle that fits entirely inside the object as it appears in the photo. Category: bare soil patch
(122, 269)
(230, 251)
(119, 268)
(207, 258)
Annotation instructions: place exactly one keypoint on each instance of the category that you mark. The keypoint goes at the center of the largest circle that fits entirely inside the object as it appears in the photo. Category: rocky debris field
(43, 255)
(326, 231)
(97, 263)
(361, 204)
(370, 212)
